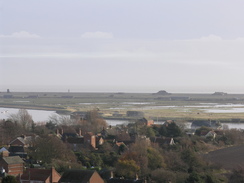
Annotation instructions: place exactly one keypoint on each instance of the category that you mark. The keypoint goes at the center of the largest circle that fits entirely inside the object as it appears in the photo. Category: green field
(173, 106)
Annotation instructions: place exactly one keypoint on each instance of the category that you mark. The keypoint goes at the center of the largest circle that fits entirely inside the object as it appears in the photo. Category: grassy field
(172, 106)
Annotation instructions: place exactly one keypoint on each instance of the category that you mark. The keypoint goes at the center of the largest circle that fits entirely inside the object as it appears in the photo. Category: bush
(9, 179)
(163, 176)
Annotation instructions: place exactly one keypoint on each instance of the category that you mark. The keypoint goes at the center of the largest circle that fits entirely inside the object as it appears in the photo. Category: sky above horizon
(122, 46)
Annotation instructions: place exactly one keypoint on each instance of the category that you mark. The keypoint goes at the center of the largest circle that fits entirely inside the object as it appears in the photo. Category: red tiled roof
(36, 174)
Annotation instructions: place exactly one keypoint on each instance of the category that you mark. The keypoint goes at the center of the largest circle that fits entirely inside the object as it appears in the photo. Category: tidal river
(37, 115)
(44, 116)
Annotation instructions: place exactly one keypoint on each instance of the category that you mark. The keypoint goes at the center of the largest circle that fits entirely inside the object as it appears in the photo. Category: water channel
(44, 116)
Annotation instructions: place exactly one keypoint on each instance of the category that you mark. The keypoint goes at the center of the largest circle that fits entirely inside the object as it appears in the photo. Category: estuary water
(37, 115)
(44, 116)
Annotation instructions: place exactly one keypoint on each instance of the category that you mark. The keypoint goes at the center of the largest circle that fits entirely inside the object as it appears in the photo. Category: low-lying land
(154, 105)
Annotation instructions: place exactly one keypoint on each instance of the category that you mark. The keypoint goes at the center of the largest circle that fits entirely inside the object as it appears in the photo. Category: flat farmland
(154, 105)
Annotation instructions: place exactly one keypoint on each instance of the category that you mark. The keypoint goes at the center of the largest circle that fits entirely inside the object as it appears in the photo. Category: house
(118, 146)
(190, 132)
(76, 143)
(66, 132)
(99, 140)
(207, 123)
(145, 122)
(81, 176)
(109, 177)
(90, 140)
(118, 180)
(123, 135)
(12, 165)
(19, 141)
(18, 151)
(17, 147)
(168, 122)
(211, 134)
(32, 175)
(23, 140)
(78, 115)
(3, 149)
(162, 140)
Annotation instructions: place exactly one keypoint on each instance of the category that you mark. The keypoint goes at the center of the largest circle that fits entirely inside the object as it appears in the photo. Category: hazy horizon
(111, 89)
(122, 46)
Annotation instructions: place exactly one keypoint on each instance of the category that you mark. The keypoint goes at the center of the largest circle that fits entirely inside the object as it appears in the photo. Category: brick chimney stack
(4, 154)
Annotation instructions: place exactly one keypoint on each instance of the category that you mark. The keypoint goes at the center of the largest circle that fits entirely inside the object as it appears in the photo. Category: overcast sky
(122, 45)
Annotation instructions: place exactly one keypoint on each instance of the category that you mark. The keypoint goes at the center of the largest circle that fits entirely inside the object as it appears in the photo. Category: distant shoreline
(31, 107)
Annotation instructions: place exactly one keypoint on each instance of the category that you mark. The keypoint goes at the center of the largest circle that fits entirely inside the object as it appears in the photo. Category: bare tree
(8, 130)
(94, 122)
(61, 120)
(23, 118)
(49, 148)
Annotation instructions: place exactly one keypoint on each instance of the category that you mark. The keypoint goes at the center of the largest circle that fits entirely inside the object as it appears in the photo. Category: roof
(13, 160)
(23, 139)
(77, 176)
(36, 174)
(162, 140)
(119, 143)
(142, 120)
(89, 134)
(211, 133)
(3, 149)
(18, 138)
(75, 140)
(116, 180)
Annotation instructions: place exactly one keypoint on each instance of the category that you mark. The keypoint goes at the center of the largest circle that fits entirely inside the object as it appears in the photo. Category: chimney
(57, 131)
(111, 175)
(23, 136)
(136, 177)
(93, 141)
(4, 154)
(52, 174)
(80, 132)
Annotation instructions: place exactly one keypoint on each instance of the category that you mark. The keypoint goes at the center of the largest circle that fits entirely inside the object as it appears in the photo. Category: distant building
(220, 93)
(145, 122)
(134, 114)
(180, 98)
(78, 115)
(162, 92)
(33, 96)
(207, 123)
(67, 96)
(7, 96)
